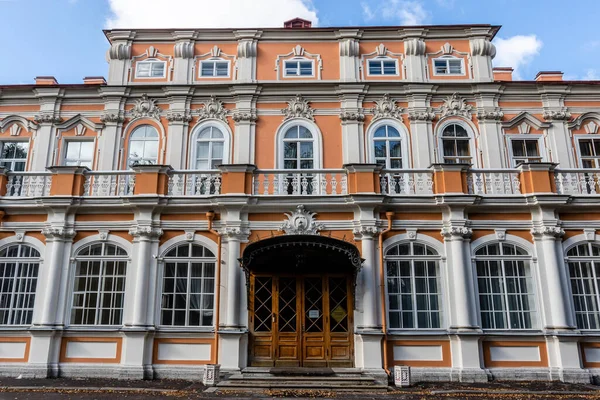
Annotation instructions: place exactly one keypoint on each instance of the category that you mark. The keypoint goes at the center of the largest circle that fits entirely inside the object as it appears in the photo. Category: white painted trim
(113, 239)
(573, 241)
(403, 237)
(126, 134)
(61, 158)
(221, 126)
(578, 148)
(30, 150)
(510, 239)
(34, 242)
(471, 131)
(317, 141)
(151, 60)
(214, 59)
(541, 145)
(404, 139)
(299, 60)
(462, 65)
(299, 52)
(198, 239)
(380, 59)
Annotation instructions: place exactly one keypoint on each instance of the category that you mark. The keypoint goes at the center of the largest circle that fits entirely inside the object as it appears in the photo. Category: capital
(58, 232)
(450, 232)
(235, 232)
(365, 232)
(146, 232)
(548, 231)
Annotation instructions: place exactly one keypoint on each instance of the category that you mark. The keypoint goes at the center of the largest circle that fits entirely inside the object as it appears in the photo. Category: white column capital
(456, 232)
(58, 233)
(544, 232)
(235, 233)
(365, 232)
(145, 232)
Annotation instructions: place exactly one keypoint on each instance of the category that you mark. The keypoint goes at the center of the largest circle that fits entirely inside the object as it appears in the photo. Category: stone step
(341, 386)
(301, 378)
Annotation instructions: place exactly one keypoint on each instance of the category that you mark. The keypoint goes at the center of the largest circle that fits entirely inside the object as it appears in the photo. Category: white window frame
(317, 142)
(411, 258)
(102, 259)
(150, 61)
(381, 60)
(214, 60)
(17, 280)
(578, 138)
(529, 136)
(446, 59)
(13, 160)
(404, 142)
(163, 261)
(534, 311)
(224, 129)
(129, 164)
(298, 60)
(596, 279)
(471, 135)
(67, 141)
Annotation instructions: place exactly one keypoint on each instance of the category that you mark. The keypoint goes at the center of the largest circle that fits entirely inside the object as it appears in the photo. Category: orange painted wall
(268, 51)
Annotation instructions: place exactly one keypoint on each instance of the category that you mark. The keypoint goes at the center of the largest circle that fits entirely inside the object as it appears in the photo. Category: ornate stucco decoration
(179, 116)
(557, 115)
(551, 231)
(426, 115)
(112, 117)
(299, 52)
(235, 232)
(146, 232)
(47, 119)
(242, 116)
(386, 108)
(298, 107)
(15, 130)
(53, 232)
(591, 128)
(213, 109)
(301, 222)
(483, 47)
(490, 115)
(349, 48)
(145, 107)
(365, 232)
(456, 231)
(456, 106)
(414, 47)
(349, 116)
(500, 234)
(590, 235)
(80, 130)
(184, 49)
(246, 48)
(15, 120)
(119, 51)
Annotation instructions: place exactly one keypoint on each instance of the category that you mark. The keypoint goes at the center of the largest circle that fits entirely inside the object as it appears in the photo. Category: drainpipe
(210, 216)
(389, 215)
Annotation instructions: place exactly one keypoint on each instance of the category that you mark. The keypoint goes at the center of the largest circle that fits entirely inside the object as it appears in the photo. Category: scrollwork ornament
(298, 107)
(386, 108)
(427, 115)
(47, 119)
(213, 109)
(301, 222)
(557, 115)
(145, 107)
(352, 116)
(179, 116)
(490, 115)
(54, 232)
(456, 231)
(147, 232)
(365, 231)
(235, 232)
(112, 117)
(241, 116)
(548, 231)
(455, 106)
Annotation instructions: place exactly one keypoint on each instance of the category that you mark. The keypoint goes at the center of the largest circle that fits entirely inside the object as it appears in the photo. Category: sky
(64, 38)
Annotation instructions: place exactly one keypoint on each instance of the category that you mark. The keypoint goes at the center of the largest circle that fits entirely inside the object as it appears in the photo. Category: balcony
(352, 180)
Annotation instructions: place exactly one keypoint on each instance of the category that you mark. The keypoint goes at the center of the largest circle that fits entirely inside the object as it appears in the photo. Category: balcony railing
(194, 183)
(493, 181)
(406, 182)
(28, 184)
(109, 183)
(577, 181)
(306, 182)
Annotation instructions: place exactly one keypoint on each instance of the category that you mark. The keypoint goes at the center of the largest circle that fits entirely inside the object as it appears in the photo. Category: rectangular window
(382, 67)
(150, 69)
(525, 151)
(448, 66)
(13, 155)
(298, 68)
(214, 69)
(589, 151)
(79, 153)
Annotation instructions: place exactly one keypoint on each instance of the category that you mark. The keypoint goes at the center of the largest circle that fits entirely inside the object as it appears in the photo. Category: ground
(55, 389)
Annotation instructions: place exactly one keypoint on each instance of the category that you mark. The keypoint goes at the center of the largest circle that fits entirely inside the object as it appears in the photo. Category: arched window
(210, 148)
(298, 148)
(506, 293)
(456, 146)
(19, 267)
(188, 287)
(387, 147)
(143, 146)
(99, 287)
(413, 286)
(584, 269)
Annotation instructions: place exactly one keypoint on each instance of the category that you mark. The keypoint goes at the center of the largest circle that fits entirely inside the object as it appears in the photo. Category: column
(460, 279)
(415, 60)
(482, 53)
(421, 115)
(369, 275)
(143, 267)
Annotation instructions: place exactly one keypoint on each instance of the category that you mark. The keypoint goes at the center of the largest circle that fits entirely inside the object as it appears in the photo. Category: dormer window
(214, 68)
(298, 67)
(150, 68)
(448, 66)
(382, 66)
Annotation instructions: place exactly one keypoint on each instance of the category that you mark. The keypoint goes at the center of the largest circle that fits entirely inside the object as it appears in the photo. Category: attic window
(297, 23)
(150, 68)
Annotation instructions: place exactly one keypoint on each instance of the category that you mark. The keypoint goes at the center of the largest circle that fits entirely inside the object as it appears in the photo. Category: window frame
(578, 139)
(404, 143)
(193, 151)
(382, 59)
(438, 259)
(214, 60)
(298, 60)
(470, 135)
(596, 278)
(129, 165)
(535, 311)
(317, 142)
(447, 60)
(102, 259)
(163, 260)
(150, 61)
(19, 260)
(14, 160)
(69, 140)
(528, 136)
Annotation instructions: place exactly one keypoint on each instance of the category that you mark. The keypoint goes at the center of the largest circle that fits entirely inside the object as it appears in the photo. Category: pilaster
(184, 57)
(415, 61)
(119, 57)
(349, 56)
(352, 119)
(47, 117)
(558, 115)
(245, 118)
(482, 53)
(179, 117)
(113, 117)
(489, 118)
(421, 116)
(246, 55)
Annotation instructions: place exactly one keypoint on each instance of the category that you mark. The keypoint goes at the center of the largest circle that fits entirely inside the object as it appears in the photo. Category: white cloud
(403, 12)
(516, 51)
(207, 13)
(592, 75)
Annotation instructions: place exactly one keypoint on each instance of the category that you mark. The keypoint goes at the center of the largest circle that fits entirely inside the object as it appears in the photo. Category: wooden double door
(301, 321)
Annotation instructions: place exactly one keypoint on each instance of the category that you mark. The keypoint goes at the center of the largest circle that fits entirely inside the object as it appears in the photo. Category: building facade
(319, 197)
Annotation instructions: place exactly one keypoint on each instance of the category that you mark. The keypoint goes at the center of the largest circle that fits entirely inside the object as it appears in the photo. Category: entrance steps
(338, 379)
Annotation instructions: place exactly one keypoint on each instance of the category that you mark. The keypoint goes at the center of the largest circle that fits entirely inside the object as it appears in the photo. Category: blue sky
(64, 38)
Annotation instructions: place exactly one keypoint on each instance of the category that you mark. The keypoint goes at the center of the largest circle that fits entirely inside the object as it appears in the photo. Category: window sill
(185, 329)
(419, 332)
